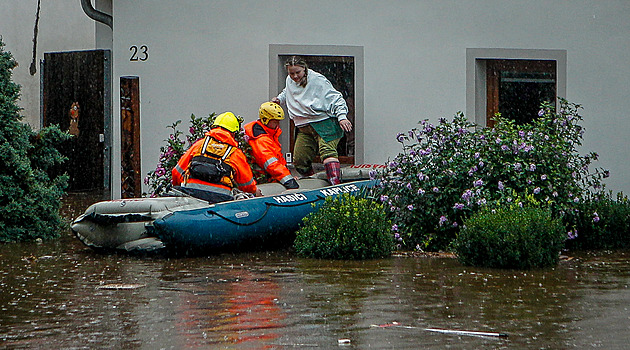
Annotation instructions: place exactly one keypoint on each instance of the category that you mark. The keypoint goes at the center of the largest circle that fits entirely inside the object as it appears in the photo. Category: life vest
(211, 163)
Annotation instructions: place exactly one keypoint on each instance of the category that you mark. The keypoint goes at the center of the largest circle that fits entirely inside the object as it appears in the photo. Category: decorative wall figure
(74, 119)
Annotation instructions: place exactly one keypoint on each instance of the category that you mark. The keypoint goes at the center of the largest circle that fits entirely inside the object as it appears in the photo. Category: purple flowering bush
(177, 144)
(450, 170)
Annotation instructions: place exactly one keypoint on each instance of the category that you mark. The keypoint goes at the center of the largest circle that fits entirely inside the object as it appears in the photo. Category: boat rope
(268, 205)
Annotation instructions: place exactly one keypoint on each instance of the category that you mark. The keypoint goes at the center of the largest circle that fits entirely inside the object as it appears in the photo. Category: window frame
(476, 82)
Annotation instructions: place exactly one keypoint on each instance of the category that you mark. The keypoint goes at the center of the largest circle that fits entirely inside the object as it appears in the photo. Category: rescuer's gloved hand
(291, 184)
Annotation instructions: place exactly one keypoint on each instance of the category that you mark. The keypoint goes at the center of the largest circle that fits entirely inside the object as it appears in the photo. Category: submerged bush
(601, 222)
(511, 237)
(450, 170)
(29, 198)
(346, 227)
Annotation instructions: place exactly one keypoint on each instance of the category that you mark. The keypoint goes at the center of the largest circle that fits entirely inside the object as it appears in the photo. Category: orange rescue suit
(242, 175)
(267, 150)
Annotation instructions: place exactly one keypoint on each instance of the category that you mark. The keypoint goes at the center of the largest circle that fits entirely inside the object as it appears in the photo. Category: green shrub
(511, 237)
(29, 198)
(346, 227)
(450, 170)
(602, 222)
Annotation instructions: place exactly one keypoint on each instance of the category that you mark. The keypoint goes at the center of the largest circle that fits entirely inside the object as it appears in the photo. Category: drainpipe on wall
(96, 15)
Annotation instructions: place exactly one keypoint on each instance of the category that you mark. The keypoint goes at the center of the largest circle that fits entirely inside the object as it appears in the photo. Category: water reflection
(50, 294)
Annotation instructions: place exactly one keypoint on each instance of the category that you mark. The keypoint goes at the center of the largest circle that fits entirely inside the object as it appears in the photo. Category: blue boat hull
(245, 224)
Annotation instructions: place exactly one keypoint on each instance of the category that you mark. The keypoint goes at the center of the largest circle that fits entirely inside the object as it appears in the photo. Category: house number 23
(139, 53)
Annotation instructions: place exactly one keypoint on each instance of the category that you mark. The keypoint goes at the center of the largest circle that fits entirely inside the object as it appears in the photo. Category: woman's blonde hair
(298, 61)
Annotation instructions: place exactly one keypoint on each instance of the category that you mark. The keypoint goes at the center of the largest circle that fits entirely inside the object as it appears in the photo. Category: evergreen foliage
(601, 222)
(29, 198)
(510, 237)
(346, 227)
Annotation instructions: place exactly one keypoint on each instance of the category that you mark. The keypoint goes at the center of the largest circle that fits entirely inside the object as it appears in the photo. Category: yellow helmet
(270, 110)
(227, 121)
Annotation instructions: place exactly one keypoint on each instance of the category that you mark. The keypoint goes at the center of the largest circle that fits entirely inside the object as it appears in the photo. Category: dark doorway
(340, 71)
(75, 96)
(516, 88)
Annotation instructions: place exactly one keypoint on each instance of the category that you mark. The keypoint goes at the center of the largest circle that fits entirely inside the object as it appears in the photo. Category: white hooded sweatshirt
(315, 102)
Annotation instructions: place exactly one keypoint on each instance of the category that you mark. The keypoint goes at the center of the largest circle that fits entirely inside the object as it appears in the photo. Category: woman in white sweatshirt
(320, 114)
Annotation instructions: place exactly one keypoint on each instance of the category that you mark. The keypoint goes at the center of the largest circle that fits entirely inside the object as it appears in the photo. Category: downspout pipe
(96, 15)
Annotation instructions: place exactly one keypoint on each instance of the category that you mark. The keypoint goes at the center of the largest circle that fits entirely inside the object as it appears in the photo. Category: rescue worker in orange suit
(214, 165)
(263, 137)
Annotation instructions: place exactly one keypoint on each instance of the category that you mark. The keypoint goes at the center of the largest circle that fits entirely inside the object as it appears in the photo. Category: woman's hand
(275, 100)
(345, 125)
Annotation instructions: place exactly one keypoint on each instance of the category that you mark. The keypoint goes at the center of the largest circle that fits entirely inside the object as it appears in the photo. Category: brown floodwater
(61, 294)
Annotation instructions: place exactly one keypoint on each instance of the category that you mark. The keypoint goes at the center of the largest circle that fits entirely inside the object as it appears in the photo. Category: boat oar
(446, 331)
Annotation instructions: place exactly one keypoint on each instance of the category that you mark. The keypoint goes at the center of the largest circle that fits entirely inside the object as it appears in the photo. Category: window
(343, 66)
(516, 88)
(512, 82)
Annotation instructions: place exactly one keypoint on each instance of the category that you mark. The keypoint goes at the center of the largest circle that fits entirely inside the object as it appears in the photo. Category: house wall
(212, 56)
(62, 26)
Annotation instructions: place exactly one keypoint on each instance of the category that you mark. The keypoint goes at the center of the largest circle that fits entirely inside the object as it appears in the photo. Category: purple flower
(420, 191)
(518, 166)
(400, 137)
(501, 187)
(410, 207)
(458, 206)
(595, 217)
(455, 224)
(384, 198)
(409, 185)
(394, 227)
(436, 190)
(537, 190)
(543, 177)
(521, 133)
(505, 148)
(443, 219)
(572, 234)
(477, 155)
(467, 194)
(532, 167)
(478, 183)
(541, 112)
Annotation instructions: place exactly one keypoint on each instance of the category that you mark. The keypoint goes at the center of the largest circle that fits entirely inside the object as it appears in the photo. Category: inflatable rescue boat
(181, 224)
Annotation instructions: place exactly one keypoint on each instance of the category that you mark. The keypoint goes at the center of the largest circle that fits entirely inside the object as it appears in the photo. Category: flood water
(62, 295)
